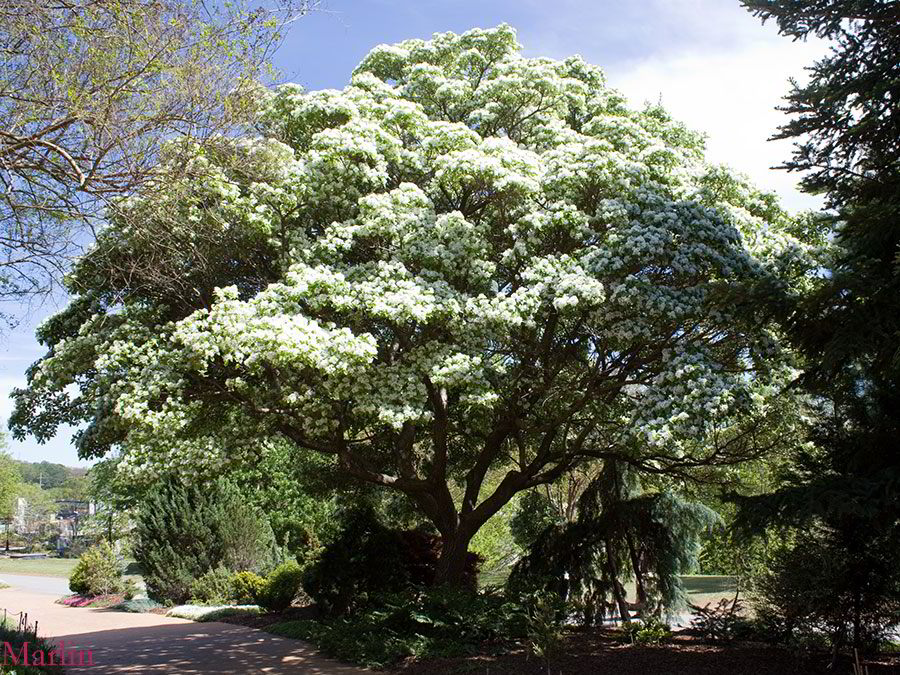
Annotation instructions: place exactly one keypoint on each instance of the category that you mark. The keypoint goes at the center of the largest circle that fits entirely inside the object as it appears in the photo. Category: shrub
(722, 622)
(213, 588)
(247, 587)
(649, 631)
(99, 572)
(368, 558)
(138, 605)
(184, 531)
(280, 587)
(275, 592)
(545, 613)
(815, 589)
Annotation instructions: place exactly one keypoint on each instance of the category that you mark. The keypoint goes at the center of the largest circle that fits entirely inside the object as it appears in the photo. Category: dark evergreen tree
(843, 490)
(847, 122)
(183, 531)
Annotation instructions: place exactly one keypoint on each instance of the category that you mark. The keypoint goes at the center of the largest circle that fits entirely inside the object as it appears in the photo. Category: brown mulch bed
(604, 651)
(600, 651)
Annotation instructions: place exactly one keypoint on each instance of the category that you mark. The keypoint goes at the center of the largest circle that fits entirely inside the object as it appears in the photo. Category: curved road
(51, 585)
(148, 643)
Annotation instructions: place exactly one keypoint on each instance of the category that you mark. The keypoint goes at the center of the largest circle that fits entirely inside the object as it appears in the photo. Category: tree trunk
(617, 589)
(451, 565)
(857, 620)
(638, 575)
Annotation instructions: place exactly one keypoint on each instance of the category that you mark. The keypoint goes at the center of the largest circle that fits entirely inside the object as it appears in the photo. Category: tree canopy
(846, 120)
(9, 479)
(45, 474)
(465, 260)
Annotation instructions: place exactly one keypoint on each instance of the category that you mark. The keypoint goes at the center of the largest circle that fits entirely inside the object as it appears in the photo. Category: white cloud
(731, 96)
(714, 66)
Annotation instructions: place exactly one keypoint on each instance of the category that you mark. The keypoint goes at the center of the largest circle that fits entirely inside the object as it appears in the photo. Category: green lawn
(53, 567)
(702, 589)
(41, 567)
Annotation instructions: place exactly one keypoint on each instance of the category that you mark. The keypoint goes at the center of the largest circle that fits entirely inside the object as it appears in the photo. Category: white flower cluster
(451, 213)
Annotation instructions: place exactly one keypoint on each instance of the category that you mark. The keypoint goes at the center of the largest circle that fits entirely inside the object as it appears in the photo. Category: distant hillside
(47, 474)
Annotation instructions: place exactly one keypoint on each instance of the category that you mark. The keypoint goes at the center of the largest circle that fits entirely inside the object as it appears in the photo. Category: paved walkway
(148, 643)
(52, 585)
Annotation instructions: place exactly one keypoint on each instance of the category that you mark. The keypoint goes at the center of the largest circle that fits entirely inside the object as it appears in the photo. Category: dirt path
(148, 643)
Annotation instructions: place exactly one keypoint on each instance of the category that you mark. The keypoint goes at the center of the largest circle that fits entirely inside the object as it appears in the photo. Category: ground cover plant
(211, 613)
(415, 622)
(600, 651)
(13, 636)
(95, 601)
(138, 605)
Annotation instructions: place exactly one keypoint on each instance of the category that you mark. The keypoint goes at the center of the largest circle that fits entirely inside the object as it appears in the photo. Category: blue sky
(712, 64)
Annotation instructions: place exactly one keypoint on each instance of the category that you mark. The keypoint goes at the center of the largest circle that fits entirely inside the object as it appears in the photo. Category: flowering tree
(466, 261)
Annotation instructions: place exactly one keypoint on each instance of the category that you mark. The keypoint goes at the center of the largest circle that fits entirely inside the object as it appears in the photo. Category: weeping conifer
(621, 534)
